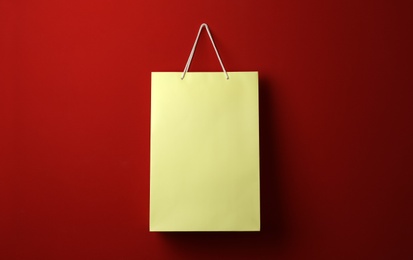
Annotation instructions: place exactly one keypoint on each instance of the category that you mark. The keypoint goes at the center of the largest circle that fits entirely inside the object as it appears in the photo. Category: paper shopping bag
(204, 152)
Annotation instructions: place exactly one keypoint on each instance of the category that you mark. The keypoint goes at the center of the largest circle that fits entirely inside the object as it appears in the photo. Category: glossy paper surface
(204, 152)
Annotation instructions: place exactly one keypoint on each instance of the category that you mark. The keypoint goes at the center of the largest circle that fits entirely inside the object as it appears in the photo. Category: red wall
(336, 125)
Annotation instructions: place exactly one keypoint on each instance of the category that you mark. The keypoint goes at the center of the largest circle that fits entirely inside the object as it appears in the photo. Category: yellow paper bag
(204, 157)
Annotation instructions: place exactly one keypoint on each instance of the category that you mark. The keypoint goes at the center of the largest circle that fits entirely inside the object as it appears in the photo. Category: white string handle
(191, 55)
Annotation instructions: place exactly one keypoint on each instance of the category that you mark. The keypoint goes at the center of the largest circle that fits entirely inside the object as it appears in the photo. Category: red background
(336, 103)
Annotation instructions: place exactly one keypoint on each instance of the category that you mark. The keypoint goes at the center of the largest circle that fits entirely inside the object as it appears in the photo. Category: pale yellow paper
(204, 152)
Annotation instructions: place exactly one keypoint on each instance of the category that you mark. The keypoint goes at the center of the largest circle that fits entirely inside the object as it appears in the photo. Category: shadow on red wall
(274, 222)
